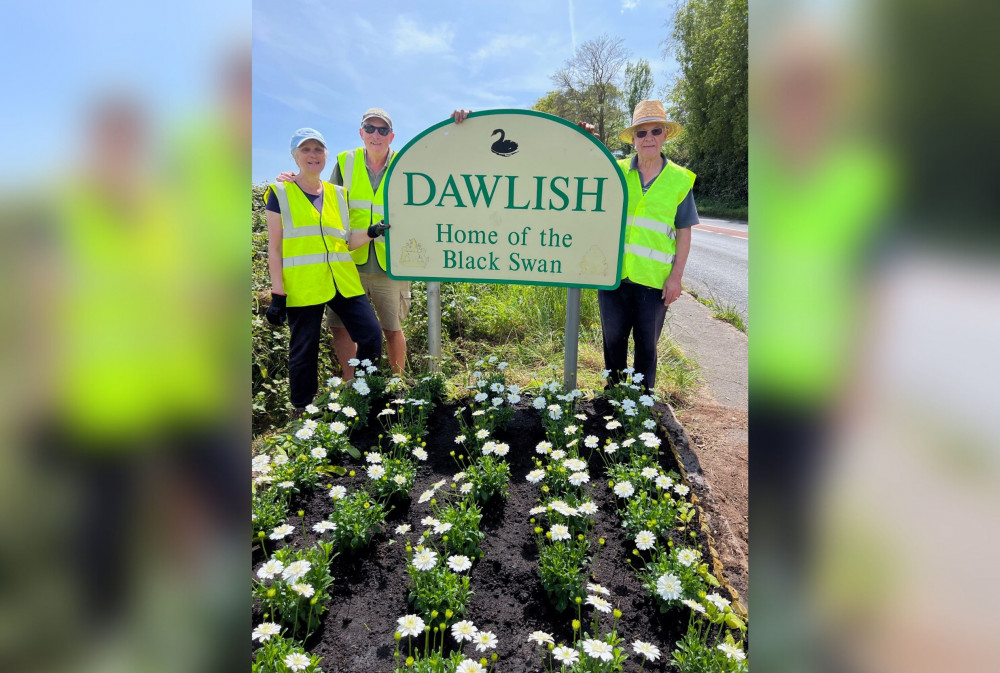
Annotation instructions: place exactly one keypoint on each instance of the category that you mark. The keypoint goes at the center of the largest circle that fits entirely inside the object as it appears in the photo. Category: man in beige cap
(361, 171)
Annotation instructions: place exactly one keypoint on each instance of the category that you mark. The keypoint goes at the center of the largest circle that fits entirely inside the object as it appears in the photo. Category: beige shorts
(390, 298)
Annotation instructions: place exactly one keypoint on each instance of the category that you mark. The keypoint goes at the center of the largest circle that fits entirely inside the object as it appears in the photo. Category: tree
(590, 81)
(638, 84)
(710, 96)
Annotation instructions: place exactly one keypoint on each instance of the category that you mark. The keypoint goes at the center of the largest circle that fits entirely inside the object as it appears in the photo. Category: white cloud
(409, 38)
(502, 45)
(629, 4)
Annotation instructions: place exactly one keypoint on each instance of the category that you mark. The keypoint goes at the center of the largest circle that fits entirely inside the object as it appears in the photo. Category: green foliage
(438, 589)
(289, 599)
(489, 476)
(358, 517)
(396, 482)
(269, 507)
(710, 97)
(561, 568)
(638, 85)
(464, 536)
(270, 657)
(694, 654)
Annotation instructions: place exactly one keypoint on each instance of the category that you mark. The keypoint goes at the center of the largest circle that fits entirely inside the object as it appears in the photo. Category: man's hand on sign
(671, 290)
(286, 176)
(588, 127)
(377, 229)
(460, 115)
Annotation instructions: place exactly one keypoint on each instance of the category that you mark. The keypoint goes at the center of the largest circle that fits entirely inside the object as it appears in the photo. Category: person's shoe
(296, 413)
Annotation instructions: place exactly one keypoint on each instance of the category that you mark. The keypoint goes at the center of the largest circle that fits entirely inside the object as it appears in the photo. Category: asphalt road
(717, 265)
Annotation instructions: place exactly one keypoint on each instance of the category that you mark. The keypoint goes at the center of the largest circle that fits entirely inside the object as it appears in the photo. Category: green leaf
(735, 622)
(351, 451)
(331, 470)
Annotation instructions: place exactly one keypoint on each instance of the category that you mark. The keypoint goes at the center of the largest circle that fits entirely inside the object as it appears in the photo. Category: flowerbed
(641, 585)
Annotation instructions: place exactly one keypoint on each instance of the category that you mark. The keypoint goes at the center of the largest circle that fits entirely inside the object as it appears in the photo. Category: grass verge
(723, 209)
(721, 310)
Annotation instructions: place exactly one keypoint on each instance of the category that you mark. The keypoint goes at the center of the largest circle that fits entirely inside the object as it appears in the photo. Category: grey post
(572, 337)
(434, 325)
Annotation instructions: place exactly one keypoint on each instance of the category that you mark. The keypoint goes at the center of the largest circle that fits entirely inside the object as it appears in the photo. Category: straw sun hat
(650, 111)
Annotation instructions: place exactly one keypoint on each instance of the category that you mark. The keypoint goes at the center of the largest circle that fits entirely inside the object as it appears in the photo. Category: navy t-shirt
(272, 201)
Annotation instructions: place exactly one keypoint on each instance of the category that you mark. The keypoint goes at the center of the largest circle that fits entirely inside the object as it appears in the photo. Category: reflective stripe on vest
(650, 235)
(366, 207)
(316, 261)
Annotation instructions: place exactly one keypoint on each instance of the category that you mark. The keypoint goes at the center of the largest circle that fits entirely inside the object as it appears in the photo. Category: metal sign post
(434, 326)
(572, 337)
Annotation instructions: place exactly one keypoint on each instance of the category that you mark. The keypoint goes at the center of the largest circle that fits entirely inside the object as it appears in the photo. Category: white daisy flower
(410, 625)
(334, 406)
(376, 472)
(513, 398)
(687, 556)
(502, 366)
(280, 459)
(465, 488)
(482, 433)
(587, 508)
(565, 655)
(496, 387)
(350, 412)
(270, 569)
(732, 651)
(599, 603)
(399, 479)
(481, 397)
(419, 453)
(304, 590)
(649, 472)
(337, 428)
(281, 531)
(399, 438)
(540, 638)
(354, 362)
(535, 476)
(501, 449)
(647, 650)
(296, 661)
(560, 532)
(613, 425)
(402, 529)
(558, 454)
(425, 496)
(310, 423)
(579, 478)
(669, 587)
(537, 510)
(463, 630)
(338, 492)
(304, 433)
(478, 412)
(324, 526)
(459, 563)
(663, 481)
(459, 476)
(374, 457)
(469, 666)
(459, 439)
(425, 560)
(697, 607)
(590, 441)
(260, 461)
(430, 521)
(649, 424)
(312, 409)
(538, 403)
(295, 570)
(681, 490)
(574, 464)
(570, 429)
(286, 484)
(543, 447)
(718, 601)
(318, 452)
(443, 528)
(555, 412)
(334, 381)
(645, 540)
(265, 631)
(611, 448)
(484, 640)
(597, 649)
(597, 589)
(624, 489)
(628, 442)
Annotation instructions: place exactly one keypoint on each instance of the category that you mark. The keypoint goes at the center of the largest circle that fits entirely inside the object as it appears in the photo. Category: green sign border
(531, 113)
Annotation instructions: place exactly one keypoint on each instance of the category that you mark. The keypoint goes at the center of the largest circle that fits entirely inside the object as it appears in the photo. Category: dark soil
(370, 588)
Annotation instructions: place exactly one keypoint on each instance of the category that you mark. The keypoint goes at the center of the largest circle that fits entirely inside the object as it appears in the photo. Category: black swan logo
(504, 148)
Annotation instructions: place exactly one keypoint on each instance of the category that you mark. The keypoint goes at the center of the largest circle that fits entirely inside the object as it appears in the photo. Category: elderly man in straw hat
(661, 211)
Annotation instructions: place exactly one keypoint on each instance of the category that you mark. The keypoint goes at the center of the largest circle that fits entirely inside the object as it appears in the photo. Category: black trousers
(306, 323)
(631, 309)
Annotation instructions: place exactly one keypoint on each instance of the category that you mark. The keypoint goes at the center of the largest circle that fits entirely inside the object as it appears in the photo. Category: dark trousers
(306, 323)
(631, 309)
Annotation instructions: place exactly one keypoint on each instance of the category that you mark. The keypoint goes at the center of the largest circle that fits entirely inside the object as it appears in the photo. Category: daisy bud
(635, 552)
(433, 501)
(538, 529)
(352, 473)
(409, 661)
(448, 613)
(452, 454)
(260, 533)
(270, 593)
(611, 484)
(601, 541)
(301, 513)
(548, 534)
(552, 646)
(617, 613)
(312, 601)
(576, 624)
(442, 625)
(578, 600)
(483, 662)
(545, 489)
(579, 537)
(531, 520)
(493, 657)
(367, 505)
(397, 635)
(434, 614)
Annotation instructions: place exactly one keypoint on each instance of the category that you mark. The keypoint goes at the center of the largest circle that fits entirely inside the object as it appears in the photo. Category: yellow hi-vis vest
(650, 236)
(366, 208)
(316, 262)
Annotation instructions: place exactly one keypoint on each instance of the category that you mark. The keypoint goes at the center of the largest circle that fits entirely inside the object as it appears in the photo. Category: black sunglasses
(642, 134)
(382, 130)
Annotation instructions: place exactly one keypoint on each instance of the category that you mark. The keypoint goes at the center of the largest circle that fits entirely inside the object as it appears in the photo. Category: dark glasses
(642, 134)
(382, 130)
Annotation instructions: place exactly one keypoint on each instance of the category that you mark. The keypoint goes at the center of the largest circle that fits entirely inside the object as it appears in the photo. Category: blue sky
(321, 64)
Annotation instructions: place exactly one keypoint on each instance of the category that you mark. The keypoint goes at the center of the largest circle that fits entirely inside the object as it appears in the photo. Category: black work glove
(276, 311)
(377, 229)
